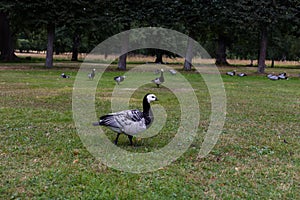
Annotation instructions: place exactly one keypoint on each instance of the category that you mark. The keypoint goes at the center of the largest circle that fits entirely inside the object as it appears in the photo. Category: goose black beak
(96, 124)
(156, 99)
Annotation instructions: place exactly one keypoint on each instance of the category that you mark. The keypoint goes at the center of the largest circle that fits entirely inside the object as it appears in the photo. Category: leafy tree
(48, 14)
(265, 16)
(123, 13)
(189, 17)
(233, 27)
(83, 16)
(222, 27)
(7, 32)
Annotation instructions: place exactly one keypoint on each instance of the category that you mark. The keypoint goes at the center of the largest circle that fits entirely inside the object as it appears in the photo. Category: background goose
(129, 122)
(282, 76)
(231, 73)
(63, 75)
(172, 71)
(242, 74)
(272, 77)
(119, 79)
(157, 71)
(160, 79)
(92, 74)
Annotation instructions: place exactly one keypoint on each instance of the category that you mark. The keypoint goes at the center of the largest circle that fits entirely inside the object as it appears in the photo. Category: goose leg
(116, 140)
(130, 139)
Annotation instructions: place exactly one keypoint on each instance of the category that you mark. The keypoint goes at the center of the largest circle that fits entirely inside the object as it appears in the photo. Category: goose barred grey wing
(157, 81)
(129, 122)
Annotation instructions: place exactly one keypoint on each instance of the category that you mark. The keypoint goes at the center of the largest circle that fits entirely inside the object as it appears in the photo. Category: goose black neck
(146, 111)
(161, 78)
(146, 106)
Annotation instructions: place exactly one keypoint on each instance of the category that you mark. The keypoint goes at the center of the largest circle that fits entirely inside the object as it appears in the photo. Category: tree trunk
(272, 64)
(124, 50)
(159, 56)
(122, 62)
(189, 55)
(76, 43)
(262, 51)
(6, 40)
(49, 54)
(221, 51)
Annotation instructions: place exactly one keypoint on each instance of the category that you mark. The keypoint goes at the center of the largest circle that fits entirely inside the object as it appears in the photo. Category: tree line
(238, 29)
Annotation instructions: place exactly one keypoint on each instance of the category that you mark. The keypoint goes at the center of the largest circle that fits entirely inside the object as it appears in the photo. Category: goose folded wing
(130, 121)
(156, 80)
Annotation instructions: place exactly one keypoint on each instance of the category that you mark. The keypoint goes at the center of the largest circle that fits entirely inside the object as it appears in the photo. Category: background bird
(129, 122)
(92, 74)
(231, 73)
(157, 71)
(172, 71)
(119, 79)
(160, 79)
(63, 75)
(272, 77)
(242, 74)
(282, 76)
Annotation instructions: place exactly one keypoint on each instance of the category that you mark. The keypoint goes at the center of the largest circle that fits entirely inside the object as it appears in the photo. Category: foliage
(238, 23)
(252, 16)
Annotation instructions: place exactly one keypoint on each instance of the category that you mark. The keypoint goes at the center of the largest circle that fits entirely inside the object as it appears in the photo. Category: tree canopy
(238, 29)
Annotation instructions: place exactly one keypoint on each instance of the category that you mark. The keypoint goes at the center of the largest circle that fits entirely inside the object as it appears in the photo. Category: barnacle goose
(119, 79)
(242, 74)
(231, 73)
(272, 77)
(129, 122)
(92, 74)
(282, 76)
(157, 71)
(172, 71)
(160, 79)
(63, 75)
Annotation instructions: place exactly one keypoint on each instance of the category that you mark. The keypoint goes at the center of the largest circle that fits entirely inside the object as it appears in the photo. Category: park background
(257, 154)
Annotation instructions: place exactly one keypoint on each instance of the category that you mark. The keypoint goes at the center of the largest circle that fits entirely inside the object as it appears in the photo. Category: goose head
(150, 98)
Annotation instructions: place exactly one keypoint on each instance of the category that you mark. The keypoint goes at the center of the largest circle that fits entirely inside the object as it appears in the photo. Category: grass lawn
(42, 156)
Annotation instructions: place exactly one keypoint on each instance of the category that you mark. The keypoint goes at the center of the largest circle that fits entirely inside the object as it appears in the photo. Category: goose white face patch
(151, 97)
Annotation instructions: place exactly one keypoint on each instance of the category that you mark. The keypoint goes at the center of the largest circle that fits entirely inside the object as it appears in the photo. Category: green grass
(256, 157)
